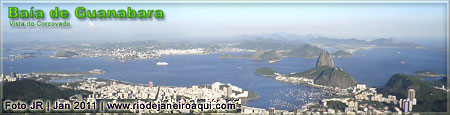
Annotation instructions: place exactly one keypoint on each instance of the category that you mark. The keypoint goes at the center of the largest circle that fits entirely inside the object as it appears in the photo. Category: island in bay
(427, 73)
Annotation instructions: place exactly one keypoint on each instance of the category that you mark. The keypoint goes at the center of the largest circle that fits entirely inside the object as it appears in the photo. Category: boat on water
(161, 63)
(122, 61)
(403, 62)
(273, 61)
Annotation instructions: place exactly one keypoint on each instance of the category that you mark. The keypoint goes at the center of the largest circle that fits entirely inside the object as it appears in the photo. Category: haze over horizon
(403, 22)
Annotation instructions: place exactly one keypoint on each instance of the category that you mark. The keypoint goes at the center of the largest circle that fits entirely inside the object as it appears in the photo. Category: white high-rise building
(361, 86)
(400, 102)
(229, 92)
(407, 106)
(215, 86)
(392, 99)
(411, 94)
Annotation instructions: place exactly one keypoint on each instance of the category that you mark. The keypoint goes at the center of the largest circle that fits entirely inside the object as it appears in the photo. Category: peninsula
(324, 74)
(427, 73)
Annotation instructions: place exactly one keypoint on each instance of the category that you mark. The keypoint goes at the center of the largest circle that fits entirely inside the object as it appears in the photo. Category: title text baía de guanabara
(82, 12)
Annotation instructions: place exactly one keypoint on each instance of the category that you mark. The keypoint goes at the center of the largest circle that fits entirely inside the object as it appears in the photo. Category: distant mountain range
(324, 40)
(267, 50)
(303, 48)
(320, 39)
(266, 43)
(382, 42)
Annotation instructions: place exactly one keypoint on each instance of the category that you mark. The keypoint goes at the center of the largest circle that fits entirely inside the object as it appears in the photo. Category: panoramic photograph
(242, 58)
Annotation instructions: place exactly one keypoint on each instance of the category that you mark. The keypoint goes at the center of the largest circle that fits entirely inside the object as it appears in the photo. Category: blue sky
(361, 21)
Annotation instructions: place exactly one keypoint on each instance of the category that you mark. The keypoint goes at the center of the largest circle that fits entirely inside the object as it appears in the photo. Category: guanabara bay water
(373, 67)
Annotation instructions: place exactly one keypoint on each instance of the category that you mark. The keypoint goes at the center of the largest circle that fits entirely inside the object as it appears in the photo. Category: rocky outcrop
(326, 74)
(325, 59)
(335, 77)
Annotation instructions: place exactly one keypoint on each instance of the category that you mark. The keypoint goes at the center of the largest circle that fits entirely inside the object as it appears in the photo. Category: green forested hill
(428, 98)
(305, 51)
(328, 76)
(30, 89)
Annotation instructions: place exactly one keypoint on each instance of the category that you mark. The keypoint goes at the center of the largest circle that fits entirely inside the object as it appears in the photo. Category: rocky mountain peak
(325, 59)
